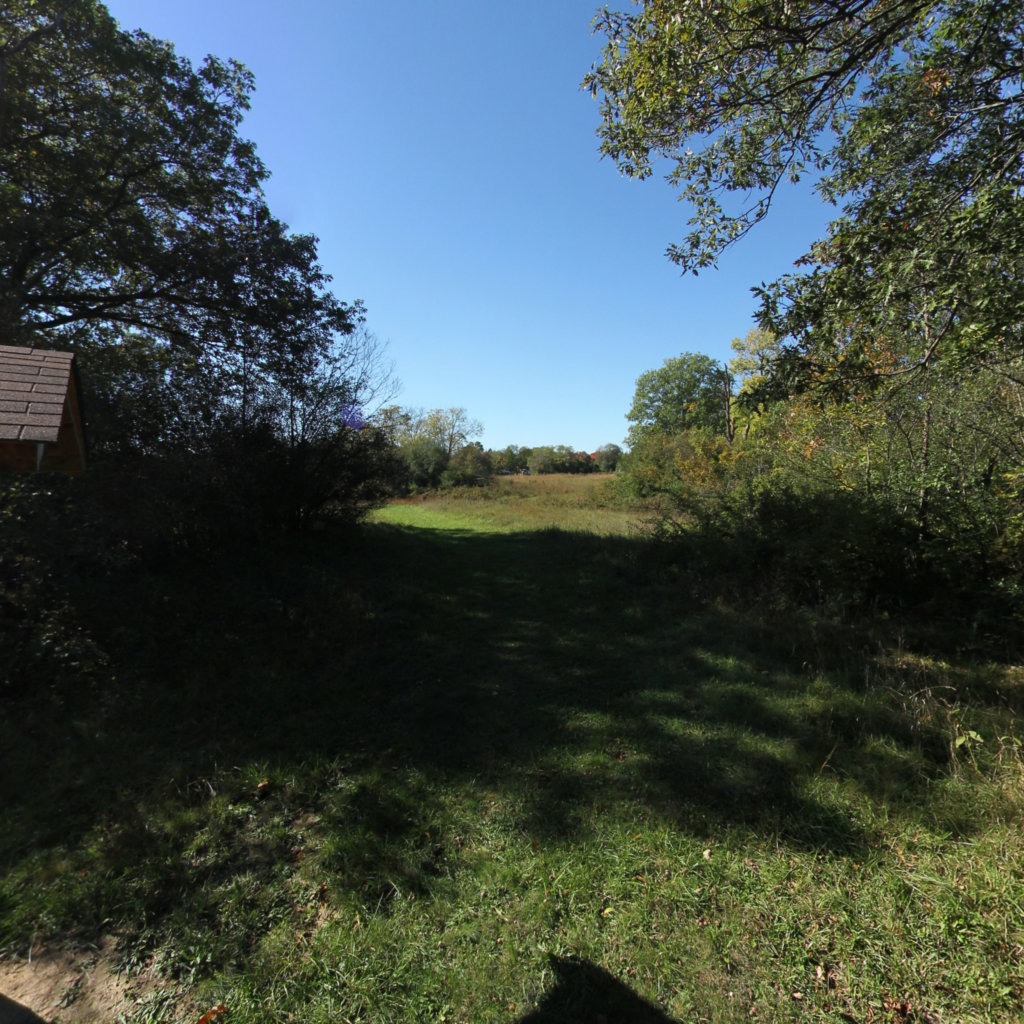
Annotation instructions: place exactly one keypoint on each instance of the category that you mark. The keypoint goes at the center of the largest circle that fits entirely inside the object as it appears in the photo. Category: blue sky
(446, 157)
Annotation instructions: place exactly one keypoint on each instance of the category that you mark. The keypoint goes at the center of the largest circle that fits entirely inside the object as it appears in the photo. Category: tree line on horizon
(439, 449)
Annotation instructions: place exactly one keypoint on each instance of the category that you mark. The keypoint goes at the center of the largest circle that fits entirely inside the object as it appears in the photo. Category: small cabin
(40, 417)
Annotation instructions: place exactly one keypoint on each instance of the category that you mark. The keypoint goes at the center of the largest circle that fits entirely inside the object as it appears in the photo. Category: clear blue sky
(446, 157)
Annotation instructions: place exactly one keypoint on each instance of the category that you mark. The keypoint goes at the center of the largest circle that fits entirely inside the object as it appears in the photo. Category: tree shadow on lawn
(567, 659)
(562, 669)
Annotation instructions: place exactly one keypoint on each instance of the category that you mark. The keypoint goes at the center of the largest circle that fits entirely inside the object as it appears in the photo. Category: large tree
(691, 390)
(134, 229)
(450, 429)
(910, 116)
(128, 199)
(428, 441)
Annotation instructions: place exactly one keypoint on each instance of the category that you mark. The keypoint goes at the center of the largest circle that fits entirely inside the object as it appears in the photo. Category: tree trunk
(923, 490)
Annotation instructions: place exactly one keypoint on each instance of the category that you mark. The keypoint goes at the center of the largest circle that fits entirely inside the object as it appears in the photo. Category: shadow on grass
(586, 994)
(363, 673)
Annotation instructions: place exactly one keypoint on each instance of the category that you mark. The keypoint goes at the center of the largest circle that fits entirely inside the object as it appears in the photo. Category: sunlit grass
(586, 503)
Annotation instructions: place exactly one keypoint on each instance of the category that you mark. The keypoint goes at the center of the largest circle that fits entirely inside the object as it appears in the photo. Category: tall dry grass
(565, 501)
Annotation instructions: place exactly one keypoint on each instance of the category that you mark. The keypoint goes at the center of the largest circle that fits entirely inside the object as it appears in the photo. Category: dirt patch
(69, 986)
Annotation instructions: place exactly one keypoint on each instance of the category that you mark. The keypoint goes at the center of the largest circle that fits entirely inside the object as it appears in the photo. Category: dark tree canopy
(909, 114)
(128, 198)
(134, 230)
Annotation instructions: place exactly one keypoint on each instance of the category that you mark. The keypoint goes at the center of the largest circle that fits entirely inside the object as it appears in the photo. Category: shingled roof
(40, 424)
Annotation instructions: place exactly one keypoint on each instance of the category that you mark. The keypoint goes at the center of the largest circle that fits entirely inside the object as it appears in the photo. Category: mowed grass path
(447, 770)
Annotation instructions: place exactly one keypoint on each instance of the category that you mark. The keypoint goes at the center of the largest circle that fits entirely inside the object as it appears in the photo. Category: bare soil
(68, 986)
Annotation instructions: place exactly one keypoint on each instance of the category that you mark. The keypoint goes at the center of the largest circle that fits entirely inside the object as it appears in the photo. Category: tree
(134, 230)
(469, 466)
(750, 369)
(754, 354)
(581, 462)
(428, 441)
(662, 462)
(450, 429)
(608, 456)
(130, 201)
(511, 459)
(550, 459)
(691, 390)
(425, 461)
(316, 393)
(911, 116)
(393, 421)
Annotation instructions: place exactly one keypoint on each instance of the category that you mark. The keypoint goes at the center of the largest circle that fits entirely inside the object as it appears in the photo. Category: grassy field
(486, 760)
(514, 504)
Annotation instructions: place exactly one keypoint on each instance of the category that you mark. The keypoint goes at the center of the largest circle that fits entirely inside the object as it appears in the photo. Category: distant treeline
(438, 449)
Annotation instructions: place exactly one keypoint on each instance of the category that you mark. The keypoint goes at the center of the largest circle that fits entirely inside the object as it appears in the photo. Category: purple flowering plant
(352, 416)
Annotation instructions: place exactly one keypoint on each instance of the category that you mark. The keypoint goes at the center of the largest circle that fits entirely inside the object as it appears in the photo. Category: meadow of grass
(452, 768)
(513, 504)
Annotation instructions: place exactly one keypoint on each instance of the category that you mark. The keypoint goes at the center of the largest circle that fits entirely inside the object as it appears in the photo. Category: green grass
(559, 501)
(447, 769)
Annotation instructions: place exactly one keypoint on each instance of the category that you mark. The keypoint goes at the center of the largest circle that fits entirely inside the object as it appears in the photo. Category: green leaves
(737, 95)
(911, 113)
(129, 199)
(689, 391)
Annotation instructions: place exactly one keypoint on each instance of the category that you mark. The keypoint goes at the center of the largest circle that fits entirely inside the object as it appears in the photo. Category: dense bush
(834, 549)
(69, 541)
(48, 540)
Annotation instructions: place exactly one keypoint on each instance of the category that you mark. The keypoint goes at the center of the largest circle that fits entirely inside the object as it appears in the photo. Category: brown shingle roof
(33, 385)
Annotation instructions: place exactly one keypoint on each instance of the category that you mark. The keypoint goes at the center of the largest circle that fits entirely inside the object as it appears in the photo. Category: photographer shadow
(584, 993)
(15, 1013)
